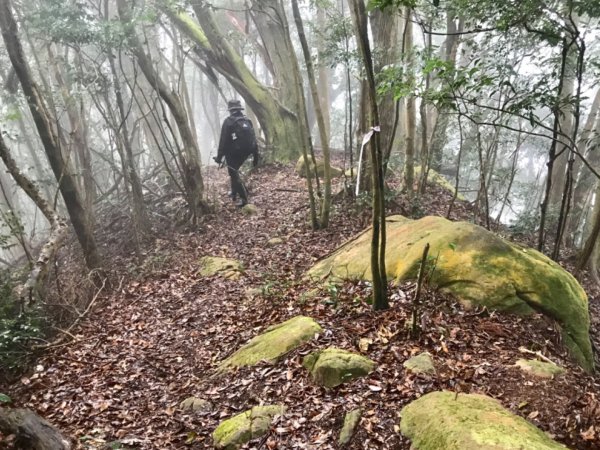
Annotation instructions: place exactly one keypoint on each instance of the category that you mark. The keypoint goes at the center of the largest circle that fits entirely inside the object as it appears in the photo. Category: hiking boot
(242, 203)
(232, 196)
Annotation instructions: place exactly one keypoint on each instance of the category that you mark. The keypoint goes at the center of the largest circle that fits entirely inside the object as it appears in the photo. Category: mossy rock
(275, 342)
(445, 421)
(420, 364)
(333, 366)
(195, 404)
(539, 368)
(435, 178)
(215, 265)
(350, 422)
(478, 267)
(301, 168)
(237, 431)
(249, 210)
(275, 241)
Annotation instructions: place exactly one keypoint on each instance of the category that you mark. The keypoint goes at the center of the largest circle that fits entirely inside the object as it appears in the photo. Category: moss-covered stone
(420, 364)
(215, 265)
(539, 368)
(350, 422)
(249, 210)
(476, 266)
(273, 242)
(275, 342)
(301, 168)
(235, 432)
(439, 180)
(195, 404)
(445, 421)
(333, 366)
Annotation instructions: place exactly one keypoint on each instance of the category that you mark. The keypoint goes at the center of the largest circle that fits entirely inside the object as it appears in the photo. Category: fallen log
(31, 431)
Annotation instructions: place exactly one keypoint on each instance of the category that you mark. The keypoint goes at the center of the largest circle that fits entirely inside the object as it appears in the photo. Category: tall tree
(190, 160)
(279, 123)
(378, 239)
(44, 124)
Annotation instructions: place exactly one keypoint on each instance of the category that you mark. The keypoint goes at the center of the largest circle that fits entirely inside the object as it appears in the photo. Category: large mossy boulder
(334, 366)
(275, 342)
(301, 168)
(445, 421)
(215, 265)
(478, 267)
(254, 423)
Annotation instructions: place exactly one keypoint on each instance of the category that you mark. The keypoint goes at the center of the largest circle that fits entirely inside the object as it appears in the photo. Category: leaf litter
(157, 339)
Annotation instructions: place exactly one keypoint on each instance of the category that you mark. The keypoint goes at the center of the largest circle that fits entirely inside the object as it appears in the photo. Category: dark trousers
(237, 186)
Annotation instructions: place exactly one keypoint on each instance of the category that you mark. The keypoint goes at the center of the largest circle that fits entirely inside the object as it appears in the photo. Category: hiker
(237, 142)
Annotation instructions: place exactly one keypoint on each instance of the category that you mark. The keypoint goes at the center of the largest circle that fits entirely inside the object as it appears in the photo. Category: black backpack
(242, 134)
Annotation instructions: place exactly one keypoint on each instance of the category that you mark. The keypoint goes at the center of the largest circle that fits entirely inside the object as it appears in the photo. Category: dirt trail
(155, 342)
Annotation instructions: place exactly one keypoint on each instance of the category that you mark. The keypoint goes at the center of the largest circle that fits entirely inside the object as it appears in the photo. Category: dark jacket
(227, 147)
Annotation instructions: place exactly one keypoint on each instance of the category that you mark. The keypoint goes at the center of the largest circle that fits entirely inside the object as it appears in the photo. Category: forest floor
(156, 339)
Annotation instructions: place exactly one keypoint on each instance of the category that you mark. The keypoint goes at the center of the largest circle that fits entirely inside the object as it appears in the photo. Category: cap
(232, 105)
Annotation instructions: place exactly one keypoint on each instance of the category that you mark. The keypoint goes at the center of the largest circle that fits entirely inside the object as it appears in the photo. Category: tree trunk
(385, 26)
(326, 204)
(280, 125)
(41, 116)
(269, 17)
(79, 138)
(190, 162)
(411, 111)
(32, 432)
(592, 239)
(378, 240)
(58, 227)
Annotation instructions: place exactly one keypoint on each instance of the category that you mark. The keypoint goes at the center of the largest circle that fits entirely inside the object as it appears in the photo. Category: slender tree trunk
(378, 240)
(326, 204)
(78, 134)
(190, 162)
(58, 227)
(41, 116)
(411, 112)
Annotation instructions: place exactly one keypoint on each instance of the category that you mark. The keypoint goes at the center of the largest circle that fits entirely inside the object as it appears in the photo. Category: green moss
(214, 265)
(476, 266)
(235, 432)
(350, 422)
(422, 363)
(333, 366)
(249, 210)
(442, 420)
(274, 343)
(301, 168)
(440, 180)
(539, 368)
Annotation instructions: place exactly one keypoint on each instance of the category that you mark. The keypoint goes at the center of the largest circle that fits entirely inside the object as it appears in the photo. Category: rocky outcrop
(275, 342)
(447, 421)
(478, 267)
(333, 366)
(235, 432)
